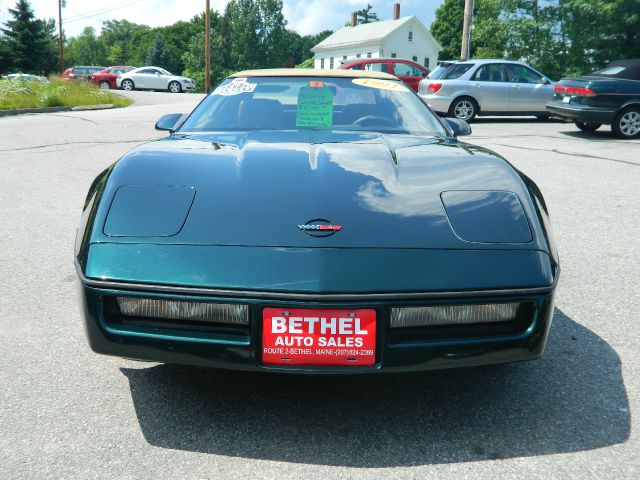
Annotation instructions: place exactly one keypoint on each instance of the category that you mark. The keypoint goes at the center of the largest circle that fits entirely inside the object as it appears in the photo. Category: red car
(107, 78)
(409, 72)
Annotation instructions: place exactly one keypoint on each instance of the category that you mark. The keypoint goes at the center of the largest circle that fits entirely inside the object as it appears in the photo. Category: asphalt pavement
(66, 412)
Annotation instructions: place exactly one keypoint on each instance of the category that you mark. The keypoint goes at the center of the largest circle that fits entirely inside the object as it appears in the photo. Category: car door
(158, 80)
(140, 78)
(530, 91)
(409, 74)
(145, 78)
(490, 89)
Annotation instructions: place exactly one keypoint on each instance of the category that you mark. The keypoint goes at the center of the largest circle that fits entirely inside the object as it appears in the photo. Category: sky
(304, 16)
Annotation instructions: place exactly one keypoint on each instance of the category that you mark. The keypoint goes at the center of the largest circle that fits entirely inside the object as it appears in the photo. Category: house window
(426, 62)
(331, 62)
(358, 55)
(393, 55)
(369, 55)
(322, 63)
(414, 58)
(410, 36)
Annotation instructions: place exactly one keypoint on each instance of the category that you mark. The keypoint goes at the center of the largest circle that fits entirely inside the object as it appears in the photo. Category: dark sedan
(315, 222)
(610, 96)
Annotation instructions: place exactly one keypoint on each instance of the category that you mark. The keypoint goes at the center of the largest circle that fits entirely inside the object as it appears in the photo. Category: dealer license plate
(303, 336)
(566, 99)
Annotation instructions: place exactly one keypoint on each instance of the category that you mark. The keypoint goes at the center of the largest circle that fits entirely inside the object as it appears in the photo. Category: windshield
(297, 103)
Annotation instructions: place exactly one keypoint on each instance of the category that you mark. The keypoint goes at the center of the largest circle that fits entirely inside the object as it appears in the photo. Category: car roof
(312, 72)
(378, 59)
(487, 60)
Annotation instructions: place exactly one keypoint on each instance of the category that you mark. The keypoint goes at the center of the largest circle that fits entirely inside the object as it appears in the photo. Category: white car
(26, 76)
(154, 78)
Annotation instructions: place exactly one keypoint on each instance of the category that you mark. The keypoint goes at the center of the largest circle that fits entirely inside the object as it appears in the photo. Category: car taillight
(434, 87)
(577, 91)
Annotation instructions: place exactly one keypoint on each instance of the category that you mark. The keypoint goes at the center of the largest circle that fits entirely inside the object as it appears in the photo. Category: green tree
(157, 54)
(366, 15)
(53, 50)
(25, 45)
(115, 55)
(257, 32)
(447, 27)
(558, 37)
(85, 49)
(117, 39)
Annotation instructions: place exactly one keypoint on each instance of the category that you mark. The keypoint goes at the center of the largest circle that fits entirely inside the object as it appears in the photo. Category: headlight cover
(487, 216)
(228, 313)
(441, 315)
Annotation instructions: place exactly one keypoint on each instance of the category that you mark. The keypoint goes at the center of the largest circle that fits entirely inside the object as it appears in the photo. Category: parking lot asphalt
(66, 412)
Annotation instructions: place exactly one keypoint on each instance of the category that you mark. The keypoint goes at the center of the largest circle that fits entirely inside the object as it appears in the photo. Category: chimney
(354, 19)
(396, 11)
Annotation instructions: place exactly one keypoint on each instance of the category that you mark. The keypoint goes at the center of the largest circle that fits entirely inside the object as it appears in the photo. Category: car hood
(257, 189)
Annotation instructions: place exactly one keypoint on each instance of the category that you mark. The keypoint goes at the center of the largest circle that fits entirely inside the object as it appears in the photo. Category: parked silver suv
(488, 87)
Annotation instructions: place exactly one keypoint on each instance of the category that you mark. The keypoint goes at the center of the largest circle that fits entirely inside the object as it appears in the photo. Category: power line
(99, 12)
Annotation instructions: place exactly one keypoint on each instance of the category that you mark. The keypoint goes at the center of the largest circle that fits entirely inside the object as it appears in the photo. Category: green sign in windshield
(315, 107)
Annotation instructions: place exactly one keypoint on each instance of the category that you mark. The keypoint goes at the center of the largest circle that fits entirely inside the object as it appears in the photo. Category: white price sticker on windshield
(235, 87)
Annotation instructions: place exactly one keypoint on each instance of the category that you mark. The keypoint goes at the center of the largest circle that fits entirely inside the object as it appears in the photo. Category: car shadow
(602, 134)
(480, 120)
(573, 399)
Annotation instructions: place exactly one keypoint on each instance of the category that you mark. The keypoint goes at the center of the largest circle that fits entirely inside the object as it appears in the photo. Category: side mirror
(168, 122)
(459, 127)
(545, 81)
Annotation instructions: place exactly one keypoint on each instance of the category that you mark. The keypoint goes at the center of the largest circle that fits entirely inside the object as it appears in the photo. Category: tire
(588, 126)
(627, 123)
(104, 85)
(463, 108)
(127, 85)
(175, 87)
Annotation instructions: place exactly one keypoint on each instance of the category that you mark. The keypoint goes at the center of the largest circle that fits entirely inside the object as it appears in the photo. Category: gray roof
(366, 33)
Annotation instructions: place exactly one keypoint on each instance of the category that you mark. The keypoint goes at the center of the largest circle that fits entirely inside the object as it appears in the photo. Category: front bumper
(397, 349)
(577, 112)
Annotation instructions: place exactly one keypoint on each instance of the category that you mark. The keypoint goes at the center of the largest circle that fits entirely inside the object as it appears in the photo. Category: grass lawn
(24, 94)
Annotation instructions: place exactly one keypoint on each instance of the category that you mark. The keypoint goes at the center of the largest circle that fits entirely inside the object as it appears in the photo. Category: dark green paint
(252, 190)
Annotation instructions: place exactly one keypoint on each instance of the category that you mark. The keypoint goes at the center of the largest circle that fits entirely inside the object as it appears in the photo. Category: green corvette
(315, 222)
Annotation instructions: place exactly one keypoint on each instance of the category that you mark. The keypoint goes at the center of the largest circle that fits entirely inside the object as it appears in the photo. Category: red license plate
(307, 336)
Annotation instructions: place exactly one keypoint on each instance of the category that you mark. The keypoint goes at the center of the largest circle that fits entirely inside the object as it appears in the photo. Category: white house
(399, 38)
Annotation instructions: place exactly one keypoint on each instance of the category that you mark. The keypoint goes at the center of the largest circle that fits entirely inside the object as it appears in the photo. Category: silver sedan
(154, 78)
(487, 87)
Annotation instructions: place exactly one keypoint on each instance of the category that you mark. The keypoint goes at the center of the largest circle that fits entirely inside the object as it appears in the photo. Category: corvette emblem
(319, 228)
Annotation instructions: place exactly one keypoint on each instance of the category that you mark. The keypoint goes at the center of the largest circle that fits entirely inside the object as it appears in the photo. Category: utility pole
(207, 49)
(465, 52)
(61, 3)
